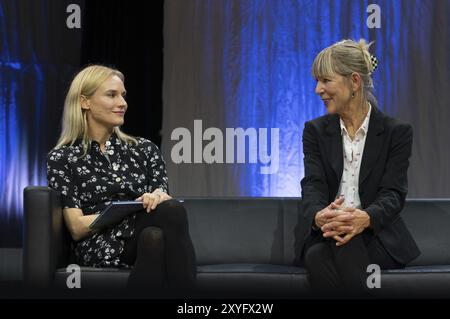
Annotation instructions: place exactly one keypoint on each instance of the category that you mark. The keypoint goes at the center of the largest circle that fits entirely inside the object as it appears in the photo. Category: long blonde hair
(74, 121)
(344, 58)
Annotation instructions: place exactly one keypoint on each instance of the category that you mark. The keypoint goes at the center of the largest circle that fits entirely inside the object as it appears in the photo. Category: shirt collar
(112, 141)
(364, 126)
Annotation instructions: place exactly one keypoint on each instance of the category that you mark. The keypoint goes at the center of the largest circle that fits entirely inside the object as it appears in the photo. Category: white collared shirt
(353, 151)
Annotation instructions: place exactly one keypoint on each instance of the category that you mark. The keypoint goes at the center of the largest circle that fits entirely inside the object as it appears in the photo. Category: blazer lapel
(373, 145)
(334, 145)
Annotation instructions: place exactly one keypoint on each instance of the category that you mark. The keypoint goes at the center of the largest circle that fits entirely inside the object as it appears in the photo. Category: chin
(118, 123)
(331, 110)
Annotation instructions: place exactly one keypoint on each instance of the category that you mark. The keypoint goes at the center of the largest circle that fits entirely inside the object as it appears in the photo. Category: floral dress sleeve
(156, 167)
(60, 178)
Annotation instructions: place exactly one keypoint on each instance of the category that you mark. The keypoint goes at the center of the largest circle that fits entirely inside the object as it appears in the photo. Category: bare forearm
(81, 229)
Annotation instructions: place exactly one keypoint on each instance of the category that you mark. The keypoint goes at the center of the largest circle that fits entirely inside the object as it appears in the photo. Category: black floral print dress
(92, 181)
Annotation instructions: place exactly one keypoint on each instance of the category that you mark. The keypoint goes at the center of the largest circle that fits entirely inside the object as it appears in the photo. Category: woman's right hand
(334, 216)
(151, 200)
(323, 217)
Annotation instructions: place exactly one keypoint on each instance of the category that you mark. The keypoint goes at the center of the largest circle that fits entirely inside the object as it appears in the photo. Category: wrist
(315, 225)
(367, 223)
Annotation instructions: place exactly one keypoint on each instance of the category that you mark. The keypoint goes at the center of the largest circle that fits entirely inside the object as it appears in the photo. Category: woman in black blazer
(356, 161)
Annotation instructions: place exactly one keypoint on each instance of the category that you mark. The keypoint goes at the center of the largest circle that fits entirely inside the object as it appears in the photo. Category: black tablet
(114, 213)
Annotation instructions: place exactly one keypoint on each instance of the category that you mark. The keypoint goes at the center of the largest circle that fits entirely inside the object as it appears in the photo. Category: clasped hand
(341, 224)
(153, 199)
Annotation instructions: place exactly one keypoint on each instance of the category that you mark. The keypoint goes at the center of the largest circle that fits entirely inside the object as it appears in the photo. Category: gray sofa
(244, 247)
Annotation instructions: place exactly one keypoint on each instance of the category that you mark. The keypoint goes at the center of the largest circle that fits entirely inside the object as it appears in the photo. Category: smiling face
(342, 74)
(107, 106)
(336, 93)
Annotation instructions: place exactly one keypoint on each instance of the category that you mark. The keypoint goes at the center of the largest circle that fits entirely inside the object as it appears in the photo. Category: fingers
(149, 201)
(342, 218)
(338, 232)
(345, 240)
(339, 239)
(156, 201)
(333, 205)
(339, 216)
(162, 196)
(327, 214)
(336, 226)
(339, 201)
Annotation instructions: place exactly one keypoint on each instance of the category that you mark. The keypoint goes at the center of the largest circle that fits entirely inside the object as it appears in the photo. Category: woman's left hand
(151, 200)
(360, 220)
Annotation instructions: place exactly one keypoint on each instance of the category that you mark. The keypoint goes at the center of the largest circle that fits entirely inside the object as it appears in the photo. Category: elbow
(77, 231)
(75, 234)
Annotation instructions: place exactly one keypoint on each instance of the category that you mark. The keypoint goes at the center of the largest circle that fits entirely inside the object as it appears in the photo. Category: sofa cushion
(251, 268)
(262, 230)
(238, 231)
(429, 223)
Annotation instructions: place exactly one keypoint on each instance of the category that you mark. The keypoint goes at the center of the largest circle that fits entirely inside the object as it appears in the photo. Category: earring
(353, 94)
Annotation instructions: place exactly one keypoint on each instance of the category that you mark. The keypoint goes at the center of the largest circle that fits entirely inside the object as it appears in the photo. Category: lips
(326, 101)
(119, 112)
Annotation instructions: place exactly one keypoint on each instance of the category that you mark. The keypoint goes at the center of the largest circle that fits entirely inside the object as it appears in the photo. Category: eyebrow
(115, 91)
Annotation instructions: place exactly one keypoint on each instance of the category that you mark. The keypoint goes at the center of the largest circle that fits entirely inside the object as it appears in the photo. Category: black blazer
(383, 183)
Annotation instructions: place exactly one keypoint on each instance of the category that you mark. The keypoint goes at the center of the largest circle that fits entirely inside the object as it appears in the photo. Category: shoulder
(394, 125)
(64, 154)
(320, 123)
(146, 145)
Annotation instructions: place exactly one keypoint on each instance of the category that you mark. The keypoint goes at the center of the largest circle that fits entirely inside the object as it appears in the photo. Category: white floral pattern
(90, 183)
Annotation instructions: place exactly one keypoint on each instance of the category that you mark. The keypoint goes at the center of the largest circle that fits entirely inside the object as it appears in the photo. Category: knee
(173, 212)
(315, 256)
(151, 235)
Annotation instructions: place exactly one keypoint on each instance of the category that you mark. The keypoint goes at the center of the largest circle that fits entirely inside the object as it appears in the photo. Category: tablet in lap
(114, 213)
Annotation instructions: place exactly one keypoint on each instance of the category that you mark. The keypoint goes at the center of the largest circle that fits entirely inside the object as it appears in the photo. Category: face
(335, 92)
(107, 106)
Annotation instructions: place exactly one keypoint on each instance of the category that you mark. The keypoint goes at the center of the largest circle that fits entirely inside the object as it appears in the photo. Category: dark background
(116, 33)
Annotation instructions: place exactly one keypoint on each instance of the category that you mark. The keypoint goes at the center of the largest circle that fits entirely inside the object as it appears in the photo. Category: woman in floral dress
(94, 163)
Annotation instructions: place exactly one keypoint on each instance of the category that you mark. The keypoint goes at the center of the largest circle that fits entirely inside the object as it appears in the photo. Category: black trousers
(342, 270)
(161, 250)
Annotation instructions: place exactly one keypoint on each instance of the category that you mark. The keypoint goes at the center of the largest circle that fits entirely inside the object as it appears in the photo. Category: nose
(319, 87)
(122, 102)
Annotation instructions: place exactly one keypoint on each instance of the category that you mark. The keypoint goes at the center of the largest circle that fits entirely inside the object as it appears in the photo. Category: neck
(100, 133)
(354, 116)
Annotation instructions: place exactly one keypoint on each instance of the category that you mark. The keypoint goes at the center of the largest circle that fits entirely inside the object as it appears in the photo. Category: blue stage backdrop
(38, 55)
(231, 64)
(247, 64)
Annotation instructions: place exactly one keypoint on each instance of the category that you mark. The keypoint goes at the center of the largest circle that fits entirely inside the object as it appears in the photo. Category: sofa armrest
(45, 236)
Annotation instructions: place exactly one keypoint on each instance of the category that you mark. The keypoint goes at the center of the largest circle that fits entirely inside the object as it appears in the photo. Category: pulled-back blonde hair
(344, 58)
(74, 122)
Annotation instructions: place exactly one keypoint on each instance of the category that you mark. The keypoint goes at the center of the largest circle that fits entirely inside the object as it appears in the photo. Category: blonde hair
(74, 122)
(344, 58)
